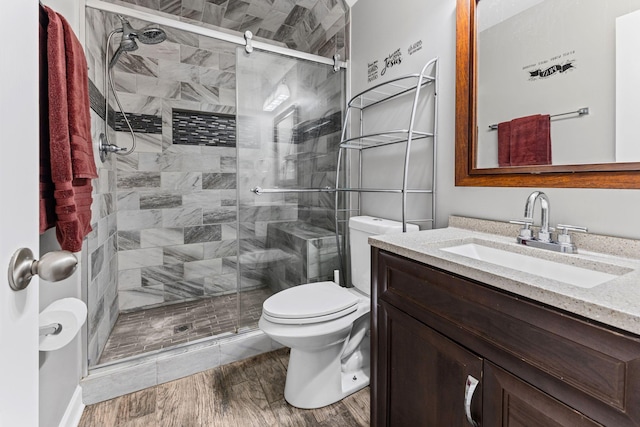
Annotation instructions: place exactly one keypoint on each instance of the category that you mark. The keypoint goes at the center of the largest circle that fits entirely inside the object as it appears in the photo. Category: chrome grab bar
(259, 190)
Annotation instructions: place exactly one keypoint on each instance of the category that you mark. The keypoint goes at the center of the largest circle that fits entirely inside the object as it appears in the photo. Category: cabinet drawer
(585, 365)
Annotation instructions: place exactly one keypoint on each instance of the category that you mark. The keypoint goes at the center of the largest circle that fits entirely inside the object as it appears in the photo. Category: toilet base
(314, 388)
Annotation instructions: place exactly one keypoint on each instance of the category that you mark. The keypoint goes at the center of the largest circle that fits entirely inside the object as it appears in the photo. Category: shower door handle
(53, 267)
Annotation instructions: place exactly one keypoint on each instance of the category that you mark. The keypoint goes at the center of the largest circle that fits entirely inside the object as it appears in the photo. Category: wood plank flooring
(247, 393)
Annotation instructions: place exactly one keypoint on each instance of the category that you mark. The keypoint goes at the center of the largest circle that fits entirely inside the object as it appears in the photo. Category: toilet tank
(360, 228)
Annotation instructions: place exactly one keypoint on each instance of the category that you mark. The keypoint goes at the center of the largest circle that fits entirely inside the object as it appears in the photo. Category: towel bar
(579, 112)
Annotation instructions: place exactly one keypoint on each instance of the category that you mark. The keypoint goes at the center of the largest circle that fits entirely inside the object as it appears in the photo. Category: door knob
(53, 267)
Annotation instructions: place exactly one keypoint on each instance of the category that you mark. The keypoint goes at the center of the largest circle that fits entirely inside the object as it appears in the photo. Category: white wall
(60, 370)
(627, 68)
(378, 32)
(381, 25)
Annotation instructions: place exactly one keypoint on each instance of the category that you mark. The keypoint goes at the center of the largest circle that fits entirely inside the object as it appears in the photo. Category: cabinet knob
(469, 389)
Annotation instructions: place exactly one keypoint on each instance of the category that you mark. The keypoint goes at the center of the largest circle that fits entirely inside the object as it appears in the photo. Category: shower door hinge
(336, 62)
(248, 35)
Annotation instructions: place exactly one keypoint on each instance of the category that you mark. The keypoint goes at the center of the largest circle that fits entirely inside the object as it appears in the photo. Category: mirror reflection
(557, 82)
(284, 136)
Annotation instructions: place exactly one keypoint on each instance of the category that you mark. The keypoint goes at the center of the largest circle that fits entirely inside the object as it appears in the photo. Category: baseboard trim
(73, 413)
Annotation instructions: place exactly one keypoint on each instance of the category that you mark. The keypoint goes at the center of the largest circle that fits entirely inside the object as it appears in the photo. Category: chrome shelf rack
(409, 87)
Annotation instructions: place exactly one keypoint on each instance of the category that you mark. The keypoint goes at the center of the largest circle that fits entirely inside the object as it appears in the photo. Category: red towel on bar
(70, 151)
(504, 144)
(525, 141)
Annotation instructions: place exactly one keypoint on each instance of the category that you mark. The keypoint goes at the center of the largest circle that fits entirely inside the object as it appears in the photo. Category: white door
(18, 209)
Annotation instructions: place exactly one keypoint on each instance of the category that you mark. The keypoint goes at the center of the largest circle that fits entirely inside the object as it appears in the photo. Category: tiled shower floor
(151, 329)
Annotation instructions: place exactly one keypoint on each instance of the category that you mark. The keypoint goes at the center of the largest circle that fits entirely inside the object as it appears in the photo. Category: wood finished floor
(248, 393)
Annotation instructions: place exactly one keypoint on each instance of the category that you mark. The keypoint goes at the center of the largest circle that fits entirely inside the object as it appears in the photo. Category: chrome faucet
(545, 238)
(544, 234)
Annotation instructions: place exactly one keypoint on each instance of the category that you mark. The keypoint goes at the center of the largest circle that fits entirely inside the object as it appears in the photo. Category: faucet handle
(565, 237)
(525, 231)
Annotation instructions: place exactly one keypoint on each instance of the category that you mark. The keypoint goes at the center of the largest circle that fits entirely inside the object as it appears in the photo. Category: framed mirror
(519, 71)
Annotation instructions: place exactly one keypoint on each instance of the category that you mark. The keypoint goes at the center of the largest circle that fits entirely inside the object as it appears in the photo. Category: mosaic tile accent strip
(141, 123)
(199, 128)
(96, 100)
(311, 129)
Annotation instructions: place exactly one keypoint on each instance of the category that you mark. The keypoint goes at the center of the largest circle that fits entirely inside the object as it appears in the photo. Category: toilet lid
(313, 302)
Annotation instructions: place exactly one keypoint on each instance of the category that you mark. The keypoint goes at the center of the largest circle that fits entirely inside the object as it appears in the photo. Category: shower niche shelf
(404, 93)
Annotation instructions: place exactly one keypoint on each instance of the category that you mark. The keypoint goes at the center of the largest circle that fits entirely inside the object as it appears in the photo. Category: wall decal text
(393, 59)
(415, 47)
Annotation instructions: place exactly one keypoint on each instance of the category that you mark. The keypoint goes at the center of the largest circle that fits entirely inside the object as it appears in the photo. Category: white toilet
(327, 326)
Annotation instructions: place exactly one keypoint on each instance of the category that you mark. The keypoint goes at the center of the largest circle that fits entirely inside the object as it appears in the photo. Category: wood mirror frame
(603, 175)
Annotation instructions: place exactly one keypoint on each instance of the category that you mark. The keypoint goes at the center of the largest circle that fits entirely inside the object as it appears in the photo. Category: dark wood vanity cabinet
(433, 331)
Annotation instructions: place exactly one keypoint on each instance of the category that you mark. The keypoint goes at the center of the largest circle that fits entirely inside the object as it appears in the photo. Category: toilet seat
(310, 303)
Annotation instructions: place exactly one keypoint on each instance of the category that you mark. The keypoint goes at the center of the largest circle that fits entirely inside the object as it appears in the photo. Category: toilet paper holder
(52, 329)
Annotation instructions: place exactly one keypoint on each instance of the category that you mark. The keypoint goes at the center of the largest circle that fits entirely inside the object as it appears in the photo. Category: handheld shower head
(125, 46)
(148, 35)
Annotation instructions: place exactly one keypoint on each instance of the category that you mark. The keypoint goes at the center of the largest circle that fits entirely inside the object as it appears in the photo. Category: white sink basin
(577, 276)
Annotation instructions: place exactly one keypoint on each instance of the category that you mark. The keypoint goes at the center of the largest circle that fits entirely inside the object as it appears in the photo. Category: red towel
(504, 144)
(71, 166)
(47, 201)
(525, 141)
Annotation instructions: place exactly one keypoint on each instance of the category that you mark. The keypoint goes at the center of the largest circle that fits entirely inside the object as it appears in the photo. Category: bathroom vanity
(461, 342)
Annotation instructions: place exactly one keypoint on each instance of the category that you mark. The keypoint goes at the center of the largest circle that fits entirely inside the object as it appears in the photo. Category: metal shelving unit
(376, 96)
(409, 86)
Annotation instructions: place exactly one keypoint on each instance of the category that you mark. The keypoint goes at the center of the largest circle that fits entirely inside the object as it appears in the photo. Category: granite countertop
(615, 302)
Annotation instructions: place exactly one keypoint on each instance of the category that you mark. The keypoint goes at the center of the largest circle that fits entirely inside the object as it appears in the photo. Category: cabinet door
(511, 402)
(421, 375)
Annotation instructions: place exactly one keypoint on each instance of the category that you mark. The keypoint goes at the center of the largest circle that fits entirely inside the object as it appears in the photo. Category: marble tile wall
(102, 269)
(312, 252)
(174, 205)
(313, 26)
(167, 219)
(270, 255)
(321, 137)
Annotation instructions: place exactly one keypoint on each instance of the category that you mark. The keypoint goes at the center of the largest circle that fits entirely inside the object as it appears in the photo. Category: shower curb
(132, 375)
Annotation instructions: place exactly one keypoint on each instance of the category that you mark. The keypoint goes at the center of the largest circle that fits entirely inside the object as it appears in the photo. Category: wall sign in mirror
(546, 93)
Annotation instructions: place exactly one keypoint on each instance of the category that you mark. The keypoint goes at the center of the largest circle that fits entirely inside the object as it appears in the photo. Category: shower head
(148, 35)
(151, 35)
(129, 46)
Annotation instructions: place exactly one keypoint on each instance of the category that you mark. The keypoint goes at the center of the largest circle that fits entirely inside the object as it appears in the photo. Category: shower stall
(182, 250)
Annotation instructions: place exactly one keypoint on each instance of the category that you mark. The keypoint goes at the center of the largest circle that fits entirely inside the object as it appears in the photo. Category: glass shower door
(289, 119)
